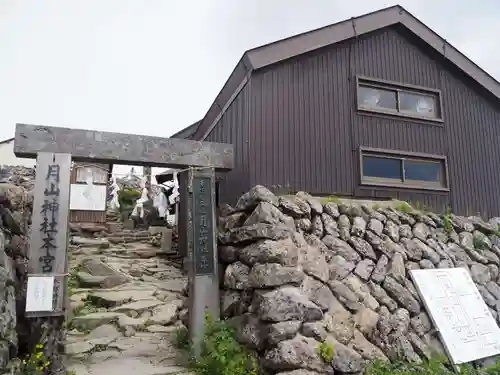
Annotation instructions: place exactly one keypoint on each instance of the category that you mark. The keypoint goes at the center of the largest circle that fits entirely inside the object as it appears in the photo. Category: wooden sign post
(198, 239)
(48, 263)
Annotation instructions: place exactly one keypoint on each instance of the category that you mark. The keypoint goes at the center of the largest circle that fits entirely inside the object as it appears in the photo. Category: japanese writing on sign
(203, 226)
(49, 212)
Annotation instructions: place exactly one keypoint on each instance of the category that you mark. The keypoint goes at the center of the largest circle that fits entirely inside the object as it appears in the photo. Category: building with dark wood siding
(376, 107)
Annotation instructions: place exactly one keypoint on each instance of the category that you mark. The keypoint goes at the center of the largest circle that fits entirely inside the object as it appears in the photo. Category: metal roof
(260, 57)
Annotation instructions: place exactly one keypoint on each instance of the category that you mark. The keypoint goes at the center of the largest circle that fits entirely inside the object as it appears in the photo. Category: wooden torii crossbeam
(56, 147)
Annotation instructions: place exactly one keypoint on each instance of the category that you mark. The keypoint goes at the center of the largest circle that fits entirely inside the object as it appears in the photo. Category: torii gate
(56, 147)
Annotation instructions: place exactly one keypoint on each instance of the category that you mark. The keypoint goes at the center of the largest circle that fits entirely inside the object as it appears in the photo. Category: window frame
(398, 88)
(94, 169)
(443, 186)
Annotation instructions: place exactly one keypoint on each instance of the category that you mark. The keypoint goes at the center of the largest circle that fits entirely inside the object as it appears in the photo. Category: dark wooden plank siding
(304, 131)
(233, 128)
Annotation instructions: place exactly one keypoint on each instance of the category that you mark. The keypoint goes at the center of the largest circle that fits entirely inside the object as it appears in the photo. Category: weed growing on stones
(220, 352)
(447, 222)
(403, 207)
(325, 351)
(181, 340)
(37, 363)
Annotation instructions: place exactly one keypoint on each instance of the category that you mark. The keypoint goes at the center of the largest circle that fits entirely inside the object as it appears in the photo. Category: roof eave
(224, 97)
(300, 44)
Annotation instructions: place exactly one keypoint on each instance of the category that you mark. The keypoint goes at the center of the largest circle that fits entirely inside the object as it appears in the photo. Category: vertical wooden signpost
(49, 236)
(197, 187)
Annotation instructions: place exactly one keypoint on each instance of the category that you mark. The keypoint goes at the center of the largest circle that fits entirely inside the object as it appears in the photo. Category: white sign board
(88, 197)
(467, 328)
(40, 293)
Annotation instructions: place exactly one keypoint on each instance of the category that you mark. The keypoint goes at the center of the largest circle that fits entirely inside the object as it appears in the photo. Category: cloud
(155, 66)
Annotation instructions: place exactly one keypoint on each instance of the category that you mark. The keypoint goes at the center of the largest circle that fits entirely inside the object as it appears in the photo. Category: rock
(294, 207)
(392, 230)
(236, 276)
(344, 227)
(421, 324)
(346, 360)
(364, 269)
(397, 268)
(285, 303)
(314, 263)
(365, 348)
(363, 248)
(303, 224)
(362, 291)
(405, 231)
(419, 346)
(266, 212)
(277, 332)
(316, 330)
(366, 320)
(234, 220)
(133, 309)
(494, 289)
(103, 335)
(340, 323)
(331, 209)
(249, 233)
(421, 231)
(427, 252)
(376, 226)
(284, 252)
(248, 331)
(315, 203)
(164, 314)
(101, 243)
(127, 323)
(403, 349)
(401, 295)
(228, 254)
(380, 271)
(91, 321)
(257, 194)
(382, 297)
(273, 274)
(427, 264)
(480, 273)
(317, 292)
(314, 241)
(299, 352)
(341, 248)
(358, 226)
(400, 321)
(340, 268)
(119, 297)
(330, 226)
(317, 226)
(345, 295)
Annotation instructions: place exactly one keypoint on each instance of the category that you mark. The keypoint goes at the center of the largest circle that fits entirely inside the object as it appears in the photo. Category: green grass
(437, 365)
(220, 352)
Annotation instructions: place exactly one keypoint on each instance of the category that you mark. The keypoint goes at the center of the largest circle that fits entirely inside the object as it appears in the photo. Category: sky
(153, 67)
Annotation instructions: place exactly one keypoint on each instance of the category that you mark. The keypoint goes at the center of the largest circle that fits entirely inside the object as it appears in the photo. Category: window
(392, 169)
(398, 99)
(94, 174)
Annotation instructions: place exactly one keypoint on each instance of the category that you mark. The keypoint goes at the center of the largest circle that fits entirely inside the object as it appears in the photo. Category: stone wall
(296, 272)
(15, 215)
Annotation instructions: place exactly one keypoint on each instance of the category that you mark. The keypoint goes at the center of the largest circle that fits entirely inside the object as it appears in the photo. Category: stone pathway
(126, 300)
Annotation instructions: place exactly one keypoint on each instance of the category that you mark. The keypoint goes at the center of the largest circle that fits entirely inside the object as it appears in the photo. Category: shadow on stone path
(126, 302)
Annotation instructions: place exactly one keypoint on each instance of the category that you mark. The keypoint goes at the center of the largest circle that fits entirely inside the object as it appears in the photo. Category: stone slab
(107, 147)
